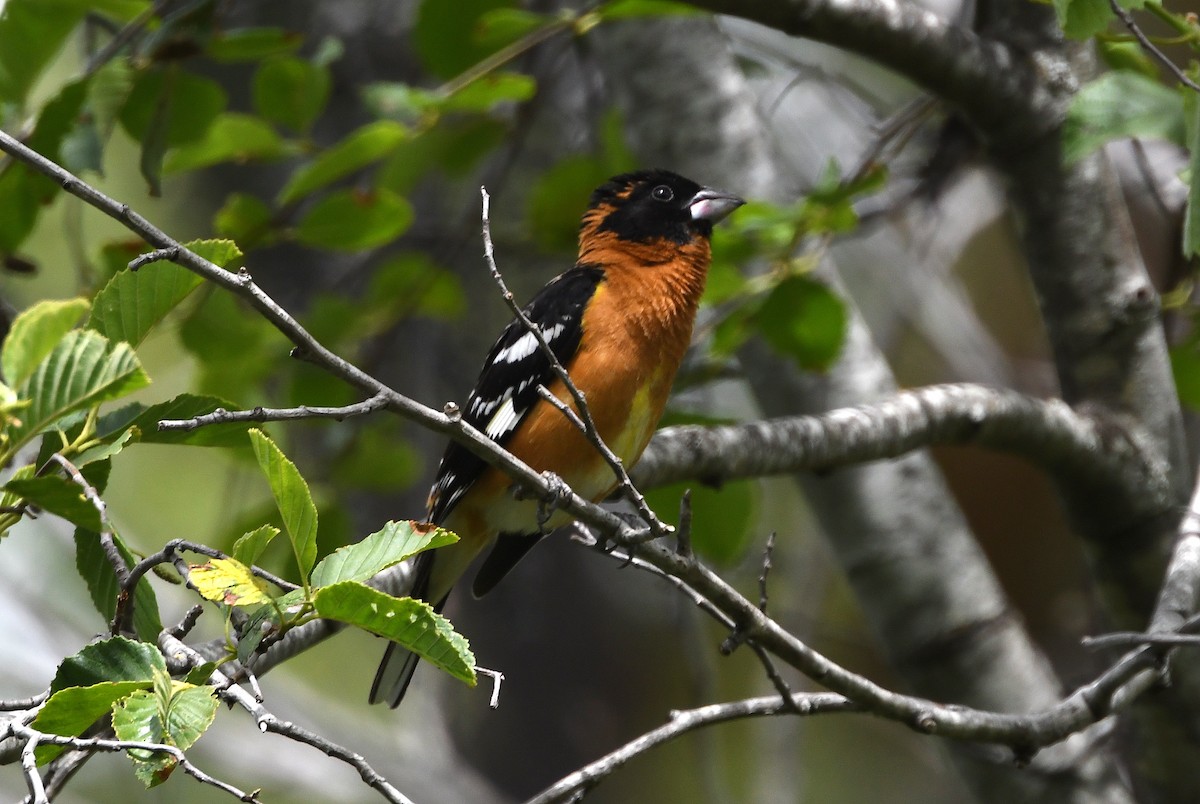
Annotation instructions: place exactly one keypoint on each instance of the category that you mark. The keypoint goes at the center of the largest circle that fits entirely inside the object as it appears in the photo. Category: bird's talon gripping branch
(605, 339)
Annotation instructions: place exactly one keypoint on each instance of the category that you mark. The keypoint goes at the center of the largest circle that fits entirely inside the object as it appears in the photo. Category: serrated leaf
(97, 572)
(219, 252)
(232, 137)
(111, 659)
(84, 369)
(72, 711)
(138, 718)
(411, 623)
(35, 333)
(394, 543)
(134, 301)
(249, 548)
(59, 496)
(292, 497)
(359, 149)
(228, 581)
(804, 319)
(1121, 104)
(353, 220)
(291, 91)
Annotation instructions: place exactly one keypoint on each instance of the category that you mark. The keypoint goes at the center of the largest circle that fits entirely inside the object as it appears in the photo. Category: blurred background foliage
(341, 146)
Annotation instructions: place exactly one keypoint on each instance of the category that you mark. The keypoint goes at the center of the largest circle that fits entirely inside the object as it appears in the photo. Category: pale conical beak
(712, 205)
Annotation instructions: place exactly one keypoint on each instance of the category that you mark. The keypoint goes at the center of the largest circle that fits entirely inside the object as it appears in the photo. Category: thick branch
(1046, 432)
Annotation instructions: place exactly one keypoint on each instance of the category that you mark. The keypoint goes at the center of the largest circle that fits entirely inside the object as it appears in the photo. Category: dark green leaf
(58, 496)
(1191, 221)
(291, 91)
(559, 198)
(111, 659)
(94, 567)
(245, 219)
(412, 623)
(252, 44)
(444, 34)
(359, 149)
(292, 497)
(1083, 19)
(180, 104)
(350, 220)
(802, 318)
(722, 519)
(396, 542)
(189, 406)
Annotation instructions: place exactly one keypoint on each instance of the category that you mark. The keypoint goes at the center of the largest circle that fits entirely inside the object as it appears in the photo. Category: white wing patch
(527, 344)
(504, 420)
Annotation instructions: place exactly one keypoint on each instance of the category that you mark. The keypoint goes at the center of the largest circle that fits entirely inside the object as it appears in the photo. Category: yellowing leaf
(224, 580)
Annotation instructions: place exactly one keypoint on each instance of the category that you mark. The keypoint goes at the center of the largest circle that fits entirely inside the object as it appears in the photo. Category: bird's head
(655, 205)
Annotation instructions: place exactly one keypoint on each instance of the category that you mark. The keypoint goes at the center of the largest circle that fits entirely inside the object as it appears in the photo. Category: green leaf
(359, 149)
(236, 349)
(483, 93)
(73, 710)
(444, 34)
(228, 581)
(34, 334)
(94, 567)
(83, 370)
(559, 197)
(108, 93)
(634, 9)
(245, 219)
(219, 252)
(232, 137)
(174, 713)
(1083, 19)
(58, 496)
(181, 105)
(134, 301)
(351, 220)
(412, 623)
(292, 497)
(802, 318)
(1122, 104)
(111, 659)
(253, 44)
(291, 91)
(249, 548)
(722, 519)
(1191, 221)
(396, 542)
(189, 406)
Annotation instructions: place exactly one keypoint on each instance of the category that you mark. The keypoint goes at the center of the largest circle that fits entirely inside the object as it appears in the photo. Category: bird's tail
(398, 665)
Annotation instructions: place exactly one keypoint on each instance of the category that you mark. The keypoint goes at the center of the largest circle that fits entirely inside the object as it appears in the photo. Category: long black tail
(398, 665)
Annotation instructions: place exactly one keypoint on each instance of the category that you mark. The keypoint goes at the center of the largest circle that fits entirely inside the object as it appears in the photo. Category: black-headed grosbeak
(620, 322)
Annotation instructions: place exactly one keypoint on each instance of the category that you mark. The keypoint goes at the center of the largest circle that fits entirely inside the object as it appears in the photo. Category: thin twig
(169, 254)
(261, 414)
(1150, 47)
(17, 704)
(1130, 639)
(766, 571)
(682, 722)
(583, 419)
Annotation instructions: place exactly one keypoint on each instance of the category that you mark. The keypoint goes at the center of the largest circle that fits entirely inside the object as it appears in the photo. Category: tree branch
(261, 414)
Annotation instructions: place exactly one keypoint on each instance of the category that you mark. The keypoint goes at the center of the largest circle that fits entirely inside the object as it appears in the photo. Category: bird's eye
(662, 193)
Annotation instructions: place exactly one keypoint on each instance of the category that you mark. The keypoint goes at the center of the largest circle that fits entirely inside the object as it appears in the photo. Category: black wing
(507, 386)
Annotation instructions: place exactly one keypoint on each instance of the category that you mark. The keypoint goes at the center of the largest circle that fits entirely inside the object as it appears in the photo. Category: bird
(620, 321)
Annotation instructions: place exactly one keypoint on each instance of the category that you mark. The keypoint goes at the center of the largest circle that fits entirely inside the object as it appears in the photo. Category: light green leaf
(249, 548)
(134, 301)
(292, 497)
(351, 220)
(632, 9)
(722, 519)
(483, 93)
(359, 149)
(1122, 104)
(57, 495)
(1083, 19)
(245, 219)
(412, 623)
(174, 713)
(396, 542)
(253, 44)
(35, 333)
(232, 137)
(291, 91)
(219, 252)
(83, 370)
(73, 710)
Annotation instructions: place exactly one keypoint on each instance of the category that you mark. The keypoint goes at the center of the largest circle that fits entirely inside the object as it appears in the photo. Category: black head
(658, 204)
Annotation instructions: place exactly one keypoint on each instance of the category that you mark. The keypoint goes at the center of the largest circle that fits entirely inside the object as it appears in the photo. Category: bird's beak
(712, 205)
